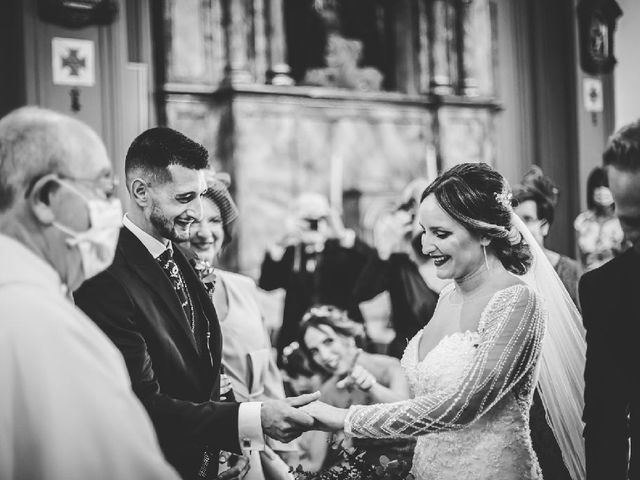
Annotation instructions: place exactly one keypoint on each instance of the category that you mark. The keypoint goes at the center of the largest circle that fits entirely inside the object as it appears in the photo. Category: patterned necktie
(170, 267)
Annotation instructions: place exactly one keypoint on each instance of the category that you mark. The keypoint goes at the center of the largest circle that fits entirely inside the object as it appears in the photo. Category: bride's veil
(561, 373)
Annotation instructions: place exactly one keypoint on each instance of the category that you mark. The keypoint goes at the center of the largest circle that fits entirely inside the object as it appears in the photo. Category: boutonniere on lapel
(206, 273)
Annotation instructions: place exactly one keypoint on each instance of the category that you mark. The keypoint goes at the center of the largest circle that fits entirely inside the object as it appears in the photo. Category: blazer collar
(148, 269)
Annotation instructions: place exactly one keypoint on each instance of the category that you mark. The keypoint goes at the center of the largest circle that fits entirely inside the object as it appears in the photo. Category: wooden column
(477, 48)
(278, 71)
(236, 24)
(424, 46)
(468, 51)
(443, 48)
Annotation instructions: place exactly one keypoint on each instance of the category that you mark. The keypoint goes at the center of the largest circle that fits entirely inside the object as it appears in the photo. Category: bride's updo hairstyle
(479, 199)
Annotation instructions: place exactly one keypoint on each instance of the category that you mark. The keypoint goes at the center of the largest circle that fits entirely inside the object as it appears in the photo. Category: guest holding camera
(317, 261)
(402, 270)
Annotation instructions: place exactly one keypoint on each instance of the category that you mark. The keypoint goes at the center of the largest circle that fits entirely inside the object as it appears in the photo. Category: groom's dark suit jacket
(610, 299)
(135, 304)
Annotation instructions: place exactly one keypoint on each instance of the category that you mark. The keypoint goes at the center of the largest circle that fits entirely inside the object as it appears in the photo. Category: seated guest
(299, 377)
(599, 236)
(351, 376)
(535, 200)
(315, 453)
(246, 353)
(67, 410)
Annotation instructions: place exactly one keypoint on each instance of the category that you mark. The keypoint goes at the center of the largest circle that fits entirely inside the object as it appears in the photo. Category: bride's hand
(328, 418)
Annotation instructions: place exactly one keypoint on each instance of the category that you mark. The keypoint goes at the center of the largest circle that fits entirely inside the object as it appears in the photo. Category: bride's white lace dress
(473, 392)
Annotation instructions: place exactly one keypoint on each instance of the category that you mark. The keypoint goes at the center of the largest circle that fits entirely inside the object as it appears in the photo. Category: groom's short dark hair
(623, 149)
(155, 149)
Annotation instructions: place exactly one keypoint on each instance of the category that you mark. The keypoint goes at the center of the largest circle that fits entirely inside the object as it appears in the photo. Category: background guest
(401, 269)
(246, 353)
(67, 411)
(352, 376)
(315, 446)
(535, 200)
(599, 236)
(611, 309)
(317, 261)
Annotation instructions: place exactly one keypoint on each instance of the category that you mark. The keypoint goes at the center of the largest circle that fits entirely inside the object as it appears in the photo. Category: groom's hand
(327, 418)
(282, 420)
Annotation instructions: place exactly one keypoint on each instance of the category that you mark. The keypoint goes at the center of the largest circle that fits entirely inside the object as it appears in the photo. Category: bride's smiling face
(455, 251)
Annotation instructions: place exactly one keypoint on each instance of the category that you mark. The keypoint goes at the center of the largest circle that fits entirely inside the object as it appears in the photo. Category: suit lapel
(147, 268)
(197, 289)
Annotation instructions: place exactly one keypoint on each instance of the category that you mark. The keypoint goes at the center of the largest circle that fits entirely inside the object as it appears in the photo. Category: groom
(611, 311)
(152, 305)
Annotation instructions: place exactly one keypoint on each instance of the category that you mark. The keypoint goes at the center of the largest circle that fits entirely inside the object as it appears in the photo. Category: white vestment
(67, 410)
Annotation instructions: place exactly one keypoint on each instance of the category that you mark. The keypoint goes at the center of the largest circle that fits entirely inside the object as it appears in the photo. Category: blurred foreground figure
(611, 309)
(67, 410)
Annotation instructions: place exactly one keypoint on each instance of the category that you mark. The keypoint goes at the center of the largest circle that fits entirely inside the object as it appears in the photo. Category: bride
(474, 367)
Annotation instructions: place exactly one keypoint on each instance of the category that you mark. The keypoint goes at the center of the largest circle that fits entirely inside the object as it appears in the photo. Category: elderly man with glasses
(67, 410)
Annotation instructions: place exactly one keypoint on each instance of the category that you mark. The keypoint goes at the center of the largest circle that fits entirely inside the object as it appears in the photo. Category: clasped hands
(287, 419)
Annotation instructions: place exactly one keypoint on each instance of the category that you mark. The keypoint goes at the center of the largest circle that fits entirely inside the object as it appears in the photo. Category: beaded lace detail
(473, 393)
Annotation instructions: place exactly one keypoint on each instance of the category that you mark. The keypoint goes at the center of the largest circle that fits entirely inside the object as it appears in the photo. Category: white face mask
(97, 245)
(603, 197)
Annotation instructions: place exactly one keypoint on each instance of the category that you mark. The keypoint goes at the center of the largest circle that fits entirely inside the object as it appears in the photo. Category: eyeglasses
(105, 187)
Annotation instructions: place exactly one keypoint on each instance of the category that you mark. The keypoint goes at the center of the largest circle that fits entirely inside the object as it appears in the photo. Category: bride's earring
(484, 252)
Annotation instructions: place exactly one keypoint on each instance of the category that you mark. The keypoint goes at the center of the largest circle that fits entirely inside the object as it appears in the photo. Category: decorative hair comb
(504, 198)
(289, 349)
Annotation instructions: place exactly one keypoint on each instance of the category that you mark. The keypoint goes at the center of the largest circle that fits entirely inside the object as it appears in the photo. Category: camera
(313, 223)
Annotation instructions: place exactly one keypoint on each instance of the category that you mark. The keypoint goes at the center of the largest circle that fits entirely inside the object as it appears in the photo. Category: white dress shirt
(250, 432)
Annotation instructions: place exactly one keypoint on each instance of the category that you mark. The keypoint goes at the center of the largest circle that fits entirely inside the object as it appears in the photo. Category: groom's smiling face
(455, 251)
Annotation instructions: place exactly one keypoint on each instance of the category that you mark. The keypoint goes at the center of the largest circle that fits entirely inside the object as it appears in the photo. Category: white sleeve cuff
(250, 432)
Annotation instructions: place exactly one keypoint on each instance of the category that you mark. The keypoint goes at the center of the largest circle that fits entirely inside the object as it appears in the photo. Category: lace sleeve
(511, 329)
